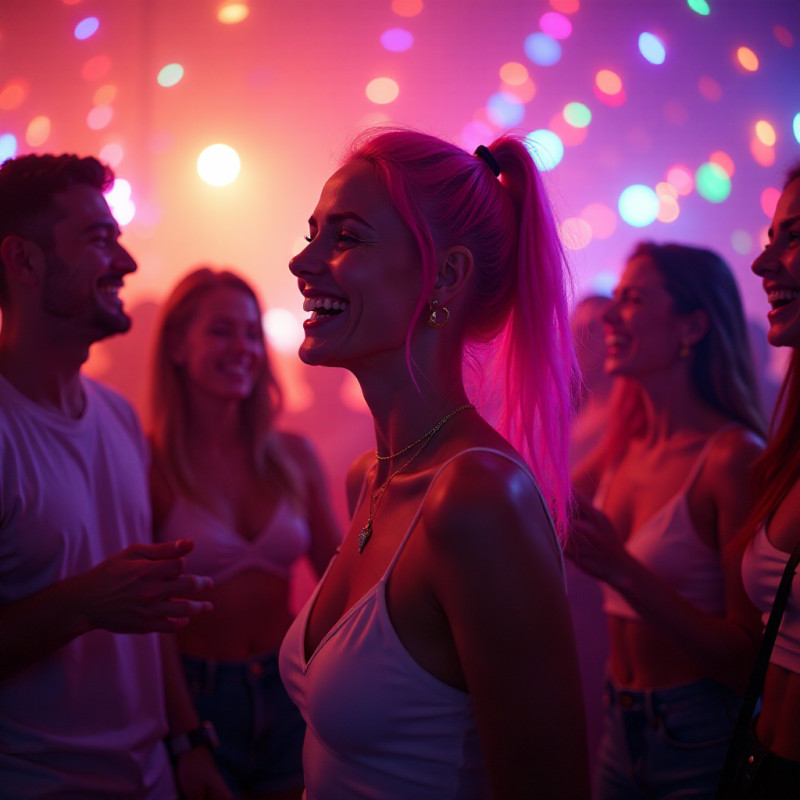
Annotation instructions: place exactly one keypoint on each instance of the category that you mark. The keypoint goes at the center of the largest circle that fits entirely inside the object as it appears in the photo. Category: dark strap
(738, 743)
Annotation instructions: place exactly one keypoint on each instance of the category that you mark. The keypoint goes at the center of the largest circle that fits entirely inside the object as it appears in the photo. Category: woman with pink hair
(436, 658)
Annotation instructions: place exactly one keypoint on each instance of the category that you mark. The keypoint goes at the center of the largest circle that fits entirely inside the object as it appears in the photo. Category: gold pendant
(364, 536)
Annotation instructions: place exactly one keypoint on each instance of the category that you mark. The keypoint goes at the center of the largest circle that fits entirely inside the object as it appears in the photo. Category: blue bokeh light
(542, 49)
(638, 205)
(546, 147)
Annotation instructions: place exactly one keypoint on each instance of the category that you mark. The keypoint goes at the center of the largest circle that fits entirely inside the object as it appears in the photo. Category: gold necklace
(375, 498)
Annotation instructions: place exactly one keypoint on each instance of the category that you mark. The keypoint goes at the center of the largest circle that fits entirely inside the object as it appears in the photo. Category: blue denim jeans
(664, 743)
(260, 730)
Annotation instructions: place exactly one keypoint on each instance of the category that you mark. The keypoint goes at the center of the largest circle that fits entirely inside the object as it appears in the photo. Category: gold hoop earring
(439, 316)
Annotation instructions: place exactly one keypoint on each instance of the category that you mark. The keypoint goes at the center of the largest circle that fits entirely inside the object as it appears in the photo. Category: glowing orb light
(232, 13)
(513, 73)
(763, 154)
(603, 283)
(475, 133)
(38, 131)
(547, 149)
(542, 49)
(713, 183)
(96, 68)
(382, 90)
(681, 178)
(723, 160)
(638, 205)
(396, 40)
(218, 165)
(504, 110)
(119, 201)
(783, 36)
(406, 8)
(769, 200)
(14, 94)
(169, 75)
(765, 133)
(283, 329)
(87, 27)
(575, 233)
(796, 126)
(710, 89)
(652, 48)
(699, 7)
(577, 114)
(112, 154)
(105, 95)
(566, 6)
(8, 146)
(668, 208)
(556, 25)
(99, 117)
(747, 58)
(742, 242)
(601, 219)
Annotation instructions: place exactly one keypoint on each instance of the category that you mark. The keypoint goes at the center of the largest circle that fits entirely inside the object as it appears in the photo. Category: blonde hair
(169, 397)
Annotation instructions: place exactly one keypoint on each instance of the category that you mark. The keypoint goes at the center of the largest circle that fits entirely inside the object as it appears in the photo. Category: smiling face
(85, 267)
(360, 273)
(779, 268)
(642, 333)
(222, 349)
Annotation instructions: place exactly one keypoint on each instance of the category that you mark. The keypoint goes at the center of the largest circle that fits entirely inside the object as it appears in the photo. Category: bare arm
(499, 581)
(139, 590)
(722, 648)
(325, 533)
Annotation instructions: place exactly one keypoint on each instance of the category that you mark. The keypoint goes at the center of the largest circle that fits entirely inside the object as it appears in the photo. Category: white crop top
(762, 568)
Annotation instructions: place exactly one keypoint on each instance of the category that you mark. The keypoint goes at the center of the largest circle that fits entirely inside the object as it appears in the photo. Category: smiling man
(87, 690)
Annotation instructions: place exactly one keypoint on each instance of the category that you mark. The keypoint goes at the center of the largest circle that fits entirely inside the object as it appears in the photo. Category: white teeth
(328, 303)
(776, 295)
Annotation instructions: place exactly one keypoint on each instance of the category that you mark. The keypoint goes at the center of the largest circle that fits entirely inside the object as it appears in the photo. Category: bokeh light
(699, 6)
(602, 220)
(747, 59)
(710, 89)
(218, 165)
(546, 148)
(406, 8)
(14, 94)
(382, 91)
(763, 154)
(570, 135)
(783, 36)
(566, 6)
(475, 133)
(169, 75)
(99, 117)
(608, 88)
(575, 233)
(713, 183)
(556, 25)
(232, 13)
(119, 199)
(112, 154)
(638, 205)
(397, 40)
(577, 114)
(741, 242)
(668, 208)
(523, 92)
(765, 133)
(87, 27)
(513, 73)
(722, 159)
(542, 49)
(96, 68)
(105, 95)
(283, 330)
(652, 48)
(681, 178)
(769, 200)
(796, 126)
(38, 131)
(8, 146)
(505, 110)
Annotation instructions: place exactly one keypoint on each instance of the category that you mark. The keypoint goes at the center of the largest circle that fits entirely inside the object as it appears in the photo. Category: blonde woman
(253, 500)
